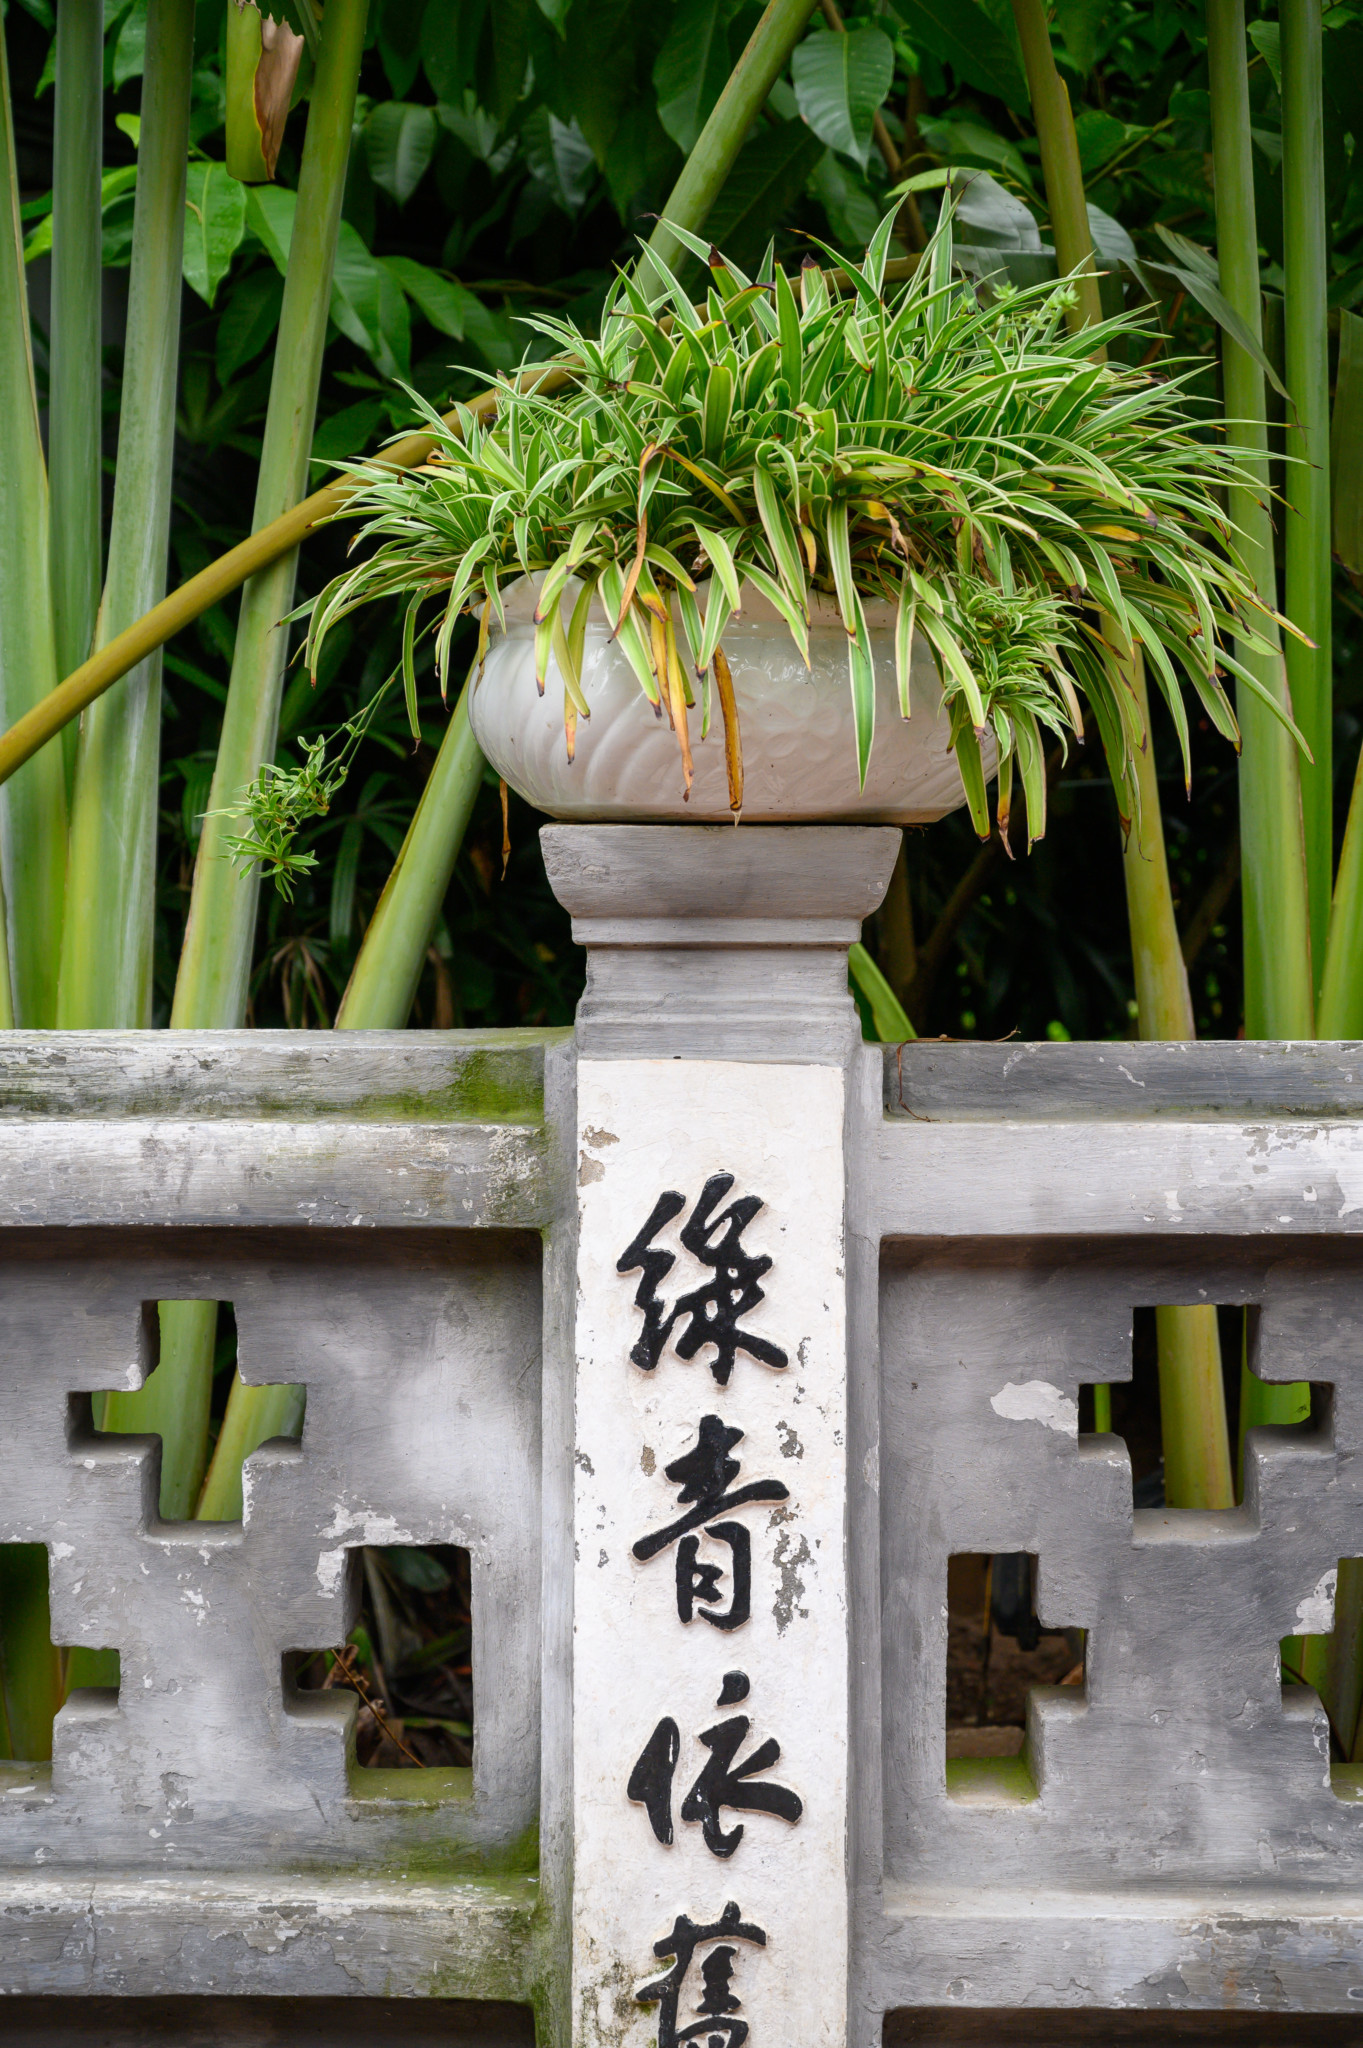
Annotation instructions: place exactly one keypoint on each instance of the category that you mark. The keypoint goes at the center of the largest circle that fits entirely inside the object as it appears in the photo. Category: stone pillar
(718, 1051)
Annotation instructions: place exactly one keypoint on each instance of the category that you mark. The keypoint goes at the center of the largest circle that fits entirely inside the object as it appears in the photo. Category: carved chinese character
(723, 1784)
(715, 2025)
(711, 1311)
(703, 1477)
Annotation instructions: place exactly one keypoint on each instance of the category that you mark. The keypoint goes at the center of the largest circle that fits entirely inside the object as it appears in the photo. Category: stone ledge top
(963, 1081)
(488, 1077)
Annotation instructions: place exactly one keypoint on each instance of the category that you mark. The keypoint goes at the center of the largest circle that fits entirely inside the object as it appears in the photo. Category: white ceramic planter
(799, 752)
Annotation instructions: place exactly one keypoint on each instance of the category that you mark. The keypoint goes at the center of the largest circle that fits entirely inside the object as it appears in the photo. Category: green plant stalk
(1060, 165)
(1192, 1394)
(253, 1416)
(388, 965)
(215, 961)
(107, 935)
(74, 411)
(1274, 897)
(33, 811)
(174, 1403)
(1196, 1440)
(6, 992)
(1340, 1013)
(1307, 521)
(30, 1669)
(1277, 927)
(702, 178)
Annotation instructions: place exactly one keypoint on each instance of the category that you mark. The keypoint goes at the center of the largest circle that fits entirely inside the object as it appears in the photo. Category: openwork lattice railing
(712, 1335)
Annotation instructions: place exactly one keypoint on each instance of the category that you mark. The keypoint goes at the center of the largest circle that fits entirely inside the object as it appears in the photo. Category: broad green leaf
(692, 68)
(960, 34)
(248, 319)
(399, 141)
(970, 142)
(852, 213)
(269, 216)
(555, 11)
(441, 300)
(346, 435)
(1081, 24)
(399, 34)
(988, 216)
(215, 223)
(768, 176)
(840, 82)
(130, 51)
(503, 56)
(557, 154)
(449, 45)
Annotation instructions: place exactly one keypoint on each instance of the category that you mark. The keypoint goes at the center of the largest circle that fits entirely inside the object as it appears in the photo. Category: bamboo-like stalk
(33, 810)
(1340, 1013)
(30, 1669)
(764, 58)
(1277, 930)
(1307, 521)
(1060, 165)
(215, 960)
(254, 1415)
(1197, 1459)
(107, 934)
(174, 1404)
(388, 965)
(74, 413)
(7, 1018)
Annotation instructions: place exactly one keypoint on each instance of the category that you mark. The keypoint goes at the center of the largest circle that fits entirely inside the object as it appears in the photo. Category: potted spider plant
(836, 549)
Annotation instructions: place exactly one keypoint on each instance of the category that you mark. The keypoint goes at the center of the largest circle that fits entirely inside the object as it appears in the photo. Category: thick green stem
(1307, 525)
(738, 106)
(30, 1669)
(215, 963)
(33, 808)
(254, 1415)
(388, 967)
(1277, 932)
(74, 413)
(1192, 1397)
(1060, 163)
(174, 1404)
(1341, 992)
(107, 936)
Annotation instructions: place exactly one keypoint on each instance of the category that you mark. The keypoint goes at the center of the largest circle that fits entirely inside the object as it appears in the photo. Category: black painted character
(712, 1310)
(721, 1785)
(716, 2025)
(703, 1477)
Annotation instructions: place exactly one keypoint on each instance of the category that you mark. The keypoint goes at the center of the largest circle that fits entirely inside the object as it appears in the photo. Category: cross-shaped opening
(997, 1652)
(36, 1674)
(409, 1659)
(207, 1420)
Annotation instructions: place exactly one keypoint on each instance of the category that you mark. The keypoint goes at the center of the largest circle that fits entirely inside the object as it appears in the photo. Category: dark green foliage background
(518, 147)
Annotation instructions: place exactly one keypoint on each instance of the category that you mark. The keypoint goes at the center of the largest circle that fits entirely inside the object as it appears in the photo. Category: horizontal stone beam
(403, 1936)
(117, 1172)
(1157, 1177)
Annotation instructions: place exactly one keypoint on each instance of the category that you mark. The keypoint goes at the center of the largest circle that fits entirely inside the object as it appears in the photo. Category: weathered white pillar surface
(710, 1637)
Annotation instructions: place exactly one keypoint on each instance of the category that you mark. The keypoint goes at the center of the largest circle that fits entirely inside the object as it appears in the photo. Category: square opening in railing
(409, 1659)
(1191, 1397)
(36, 1674)
(208, 1421)
(997, 1651)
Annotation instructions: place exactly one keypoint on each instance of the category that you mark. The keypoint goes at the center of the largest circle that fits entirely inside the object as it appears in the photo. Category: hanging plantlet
(263, 56)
